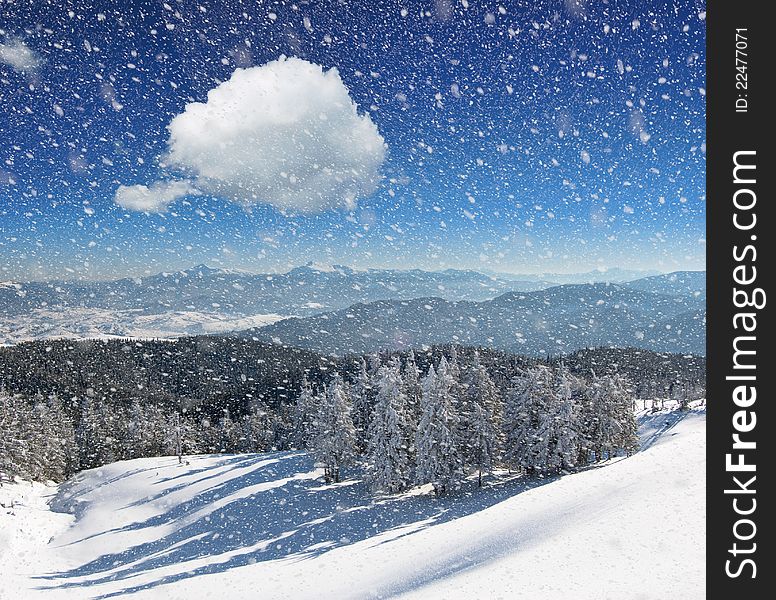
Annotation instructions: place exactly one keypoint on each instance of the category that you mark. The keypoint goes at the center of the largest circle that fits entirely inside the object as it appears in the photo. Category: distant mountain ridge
(612, 275)
(303, 290)
(336, 309)
(555, 320)
(677, 283)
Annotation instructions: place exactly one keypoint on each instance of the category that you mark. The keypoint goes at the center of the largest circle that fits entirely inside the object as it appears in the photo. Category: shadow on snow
(290, 515)
(298, 518)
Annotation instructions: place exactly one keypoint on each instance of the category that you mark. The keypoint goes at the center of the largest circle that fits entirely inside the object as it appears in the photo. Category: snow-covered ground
(26, 526)
(266, 526)
(99, 323)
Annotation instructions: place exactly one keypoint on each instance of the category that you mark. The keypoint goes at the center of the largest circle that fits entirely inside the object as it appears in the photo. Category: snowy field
(98, 323)
(265, 526)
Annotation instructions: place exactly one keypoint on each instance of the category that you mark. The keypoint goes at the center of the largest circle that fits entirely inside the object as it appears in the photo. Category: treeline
(403, 426)
(41, 439)
(206, 375)
(67, 406)
(407, 428)
(655, 376)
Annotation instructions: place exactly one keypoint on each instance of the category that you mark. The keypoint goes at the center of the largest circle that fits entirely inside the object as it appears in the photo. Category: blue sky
(521, 137)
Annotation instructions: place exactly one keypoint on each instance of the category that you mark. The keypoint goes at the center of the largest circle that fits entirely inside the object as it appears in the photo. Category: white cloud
(286, 134)
(19, 57)
(154, 198)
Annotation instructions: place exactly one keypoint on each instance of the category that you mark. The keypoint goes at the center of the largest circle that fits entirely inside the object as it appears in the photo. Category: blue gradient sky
(541, 87)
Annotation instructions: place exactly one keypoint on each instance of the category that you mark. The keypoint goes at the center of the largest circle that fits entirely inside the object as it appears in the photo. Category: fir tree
(305, 410)
(622, 399)
(229, 434)
(438, 459)
(362, 393)
(483, 438)
(412, 388)
(256, 431)
(11, 440)
(564, 416)
(527, 401)
(59, 451)
(134, 438)
(389, 467)
(335, 435)
(614, 425)
(90, 436)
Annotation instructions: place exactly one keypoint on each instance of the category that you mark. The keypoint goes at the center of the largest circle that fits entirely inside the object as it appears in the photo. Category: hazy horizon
(324, 266)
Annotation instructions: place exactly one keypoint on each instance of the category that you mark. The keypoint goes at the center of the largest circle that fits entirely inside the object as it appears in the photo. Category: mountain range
(556, 320)
(337, 309)
(303, 290)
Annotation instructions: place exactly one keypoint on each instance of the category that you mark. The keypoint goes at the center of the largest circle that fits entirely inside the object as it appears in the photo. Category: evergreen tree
(36, 439)
(389, 468)
(37, 447)
(438, 459)
(305, 410)
(412, 389)
(623, 402)
(362, 394)
(90, 436)
(335, 435)
(556, 445)
(134, 438)
(229, 434)
(614, 425)
(57, 447)
(586, 420)
(527, 401)
(256, 431)
(11, 440)
(482, 436)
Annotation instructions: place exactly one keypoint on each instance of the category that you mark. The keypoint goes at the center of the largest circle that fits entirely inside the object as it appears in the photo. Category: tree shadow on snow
(67, 501)
(292, 515)
(288, 514)
(653, 426)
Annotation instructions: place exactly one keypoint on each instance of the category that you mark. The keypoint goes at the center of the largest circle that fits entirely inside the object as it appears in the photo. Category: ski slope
(266, 526)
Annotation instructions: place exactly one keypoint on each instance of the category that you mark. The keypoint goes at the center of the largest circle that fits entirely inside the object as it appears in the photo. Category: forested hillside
(71, 405)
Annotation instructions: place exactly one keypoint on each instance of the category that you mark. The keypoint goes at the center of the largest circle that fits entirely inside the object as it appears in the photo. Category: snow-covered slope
(265, 526)
(26, 525)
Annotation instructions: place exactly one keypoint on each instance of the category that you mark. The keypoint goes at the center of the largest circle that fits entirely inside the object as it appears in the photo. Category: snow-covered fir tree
(438, 458)
(229, 434)
(613, 426)
(91, 436)
(11, 441)
(389, 467)
(334, 442)
(526, 403)
(412, 388)
(59, 450)
(148, 430)
(135, 439)
(256, 431)
(304, 414)
(557, 445)
(482, 436)
(362, 394)
(625, 411)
